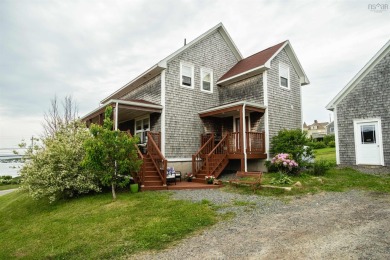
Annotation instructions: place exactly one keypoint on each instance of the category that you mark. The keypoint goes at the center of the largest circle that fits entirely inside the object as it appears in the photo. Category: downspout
(244, 137)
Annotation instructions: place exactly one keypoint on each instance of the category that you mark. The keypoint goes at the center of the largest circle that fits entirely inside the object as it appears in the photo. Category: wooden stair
(152, 180)
(216, 164)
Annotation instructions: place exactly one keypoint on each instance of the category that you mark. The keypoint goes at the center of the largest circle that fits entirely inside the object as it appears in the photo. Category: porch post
(116, 116)
(244, 137)
(242, 118)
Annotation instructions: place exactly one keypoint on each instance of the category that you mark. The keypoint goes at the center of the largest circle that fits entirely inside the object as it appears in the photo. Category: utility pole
(32, 142)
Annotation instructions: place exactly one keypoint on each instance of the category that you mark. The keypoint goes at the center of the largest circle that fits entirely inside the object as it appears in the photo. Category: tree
(54, 118)
(53, 169)
(293, 142)
(111, 154)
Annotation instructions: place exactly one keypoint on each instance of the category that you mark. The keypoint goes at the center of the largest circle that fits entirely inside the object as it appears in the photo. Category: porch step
(152, 178)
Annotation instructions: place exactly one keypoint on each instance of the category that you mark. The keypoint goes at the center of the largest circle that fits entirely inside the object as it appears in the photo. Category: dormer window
(186, 75)
(284, 76)
(206, 80)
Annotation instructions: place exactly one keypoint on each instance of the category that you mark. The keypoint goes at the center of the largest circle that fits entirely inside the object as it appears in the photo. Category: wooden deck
(184, 185)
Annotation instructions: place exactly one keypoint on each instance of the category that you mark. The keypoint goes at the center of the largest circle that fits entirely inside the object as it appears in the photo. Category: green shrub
(328, 139)
(293, 142)
(332, 144)
(320, 167)
(7, 179)
(281, 180)
(54, 169)
(317, 145)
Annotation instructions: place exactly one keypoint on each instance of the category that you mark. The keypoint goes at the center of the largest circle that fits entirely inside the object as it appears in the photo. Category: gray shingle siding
(149, 91)
(183, 124)
(250, 89)
(284, 106)
(369, 99)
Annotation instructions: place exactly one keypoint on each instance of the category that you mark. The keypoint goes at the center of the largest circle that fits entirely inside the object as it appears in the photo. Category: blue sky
(89, 49)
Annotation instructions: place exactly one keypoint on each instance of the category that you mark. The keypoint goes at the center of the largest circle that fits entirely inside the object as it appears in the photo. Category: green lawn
(327, 154)
(9, 186)
(333, 180)
(95, 227)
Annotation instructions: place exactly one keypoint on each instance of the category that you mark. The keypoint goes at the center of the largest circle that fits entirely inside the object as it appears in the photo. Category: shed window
(284, 75)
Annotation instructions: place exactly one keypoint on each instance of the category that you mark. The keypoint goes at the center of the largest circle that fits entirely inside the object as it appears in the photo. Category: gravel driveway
(348, 225)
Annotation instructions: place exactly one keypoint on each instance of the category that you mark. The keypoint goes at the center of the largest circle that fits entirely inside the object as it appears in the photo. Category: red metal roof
(253, 61)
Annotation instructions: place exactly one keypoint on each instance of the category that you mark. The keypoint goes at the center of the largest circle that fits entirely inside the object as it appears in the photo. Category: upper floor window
(186, 75)
(206, 80)
(284, 76)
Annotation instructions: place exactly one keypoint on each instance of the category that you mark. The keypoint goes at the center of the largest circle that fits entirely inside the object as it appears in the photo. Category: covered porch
(232, 131)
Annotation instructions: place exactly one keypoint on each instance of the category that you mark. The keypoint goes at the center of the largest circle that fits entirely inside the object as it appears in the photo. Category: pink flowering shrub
(284, 164)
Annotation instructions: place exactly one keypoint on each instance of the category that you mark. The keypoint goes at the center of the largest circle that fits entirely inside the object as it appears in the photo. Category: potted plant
(189, 177)
(210, 179)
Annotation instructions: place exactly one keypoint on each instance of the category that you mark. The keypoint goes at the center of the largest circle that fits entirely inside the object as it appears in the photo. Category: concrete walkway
(3, 192)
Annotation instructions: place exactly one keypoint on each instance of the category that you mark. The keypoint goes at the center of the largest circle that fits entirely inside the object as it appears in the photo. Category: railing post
(207, 165)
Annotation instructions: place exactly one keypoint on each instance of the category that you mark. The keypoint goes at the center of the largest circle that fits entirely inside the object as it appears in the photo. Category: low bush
(7, 180)
(317, 145)
(285, 164)
(320, 167)
(332, 144)
(328, 139)
(293, 142)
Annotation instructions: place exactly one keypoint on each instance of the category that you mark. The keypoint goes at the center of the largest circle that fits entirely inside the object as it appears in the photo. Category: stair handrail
(197, 161)
(220, 148)
(158, 159)
(140, 176)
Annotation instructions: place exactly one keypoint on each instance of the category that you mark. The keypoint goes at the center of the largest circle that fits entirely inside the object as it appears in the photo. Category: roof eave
(147, 75)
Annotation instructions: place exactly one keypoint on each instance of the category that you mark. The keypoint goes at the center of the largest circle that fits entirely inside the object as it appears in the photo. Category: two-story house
(205, 108)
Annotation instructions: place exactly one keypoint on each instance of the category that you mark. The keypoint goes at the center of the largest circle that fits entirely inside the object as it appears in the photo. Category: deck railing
(255, 142)
(155, 154)
(217, 155)
(156, 136)
(207, 142)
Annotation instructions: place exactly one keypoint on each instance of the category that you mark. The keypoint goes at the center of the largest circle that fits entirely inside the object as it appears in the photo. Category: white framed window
(142, 126)
(186, 75)
(206, 80)
(284, 76)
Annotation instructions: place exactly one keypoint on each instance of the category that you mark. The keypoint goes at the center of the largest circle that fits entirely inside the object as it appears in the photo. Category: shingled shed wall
(369, 99)
(284, 105)
(183, 124)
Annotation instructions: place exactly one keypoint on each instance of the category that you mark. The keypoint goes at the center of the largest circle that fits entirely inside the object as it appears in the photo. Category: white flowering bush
(53, 170)
(284, 163)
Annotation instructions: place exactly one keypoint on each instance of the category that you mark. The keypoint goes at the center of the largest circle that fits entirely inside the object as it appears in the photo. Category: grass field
(327, 154)
(333, 180)
(95, 227)
(9, 186)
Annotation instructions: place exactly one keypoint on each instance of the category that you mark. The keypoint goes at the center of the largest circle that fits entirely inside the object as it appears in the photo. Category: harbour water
(12, 168)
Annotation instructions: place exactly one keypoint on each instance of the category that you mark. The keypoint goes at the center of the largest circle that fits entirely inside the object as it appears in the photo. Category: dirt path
(349, 225)
(3, 192)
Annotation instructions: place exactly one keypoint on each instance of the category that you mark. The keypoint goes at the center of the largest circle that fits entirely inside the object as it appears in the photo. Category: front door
(368, 142)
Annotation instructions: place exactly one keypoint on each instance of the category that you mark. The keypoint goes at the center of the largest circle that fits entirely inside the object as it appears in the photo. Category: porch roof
(132, 109)
(232, 108)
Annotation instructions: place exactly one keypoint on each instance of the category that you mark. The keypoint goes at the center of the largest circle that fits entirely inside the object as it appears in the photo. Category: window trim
(206, 70)
(284, 66)
(182, 63)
